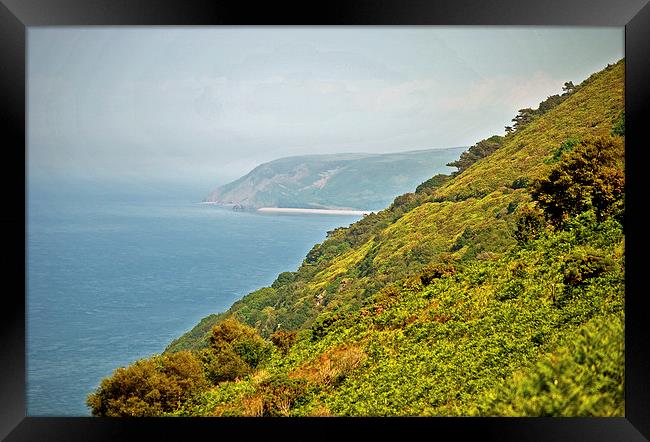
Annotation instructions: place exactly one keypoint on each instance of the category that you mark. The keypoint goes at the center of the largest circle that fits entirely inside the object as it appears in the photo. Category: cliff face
(337, 181)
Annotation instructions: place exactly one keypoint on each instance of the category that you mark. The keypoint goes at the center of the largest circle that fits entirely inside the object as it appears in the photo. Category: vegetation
(149, 387)
(480, 150)
(497, 290)
(590, 178)
(360, 181)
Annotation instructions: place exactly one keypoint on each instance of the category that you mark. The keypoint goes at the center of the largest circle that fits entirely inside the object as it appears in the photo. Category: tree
(568, 88)
(549, 103)
(524, 116)
(149, 387)
(530, 223)
(589, 178)
(480, 150)
(234, 351)
(432, 183)
(283, 340)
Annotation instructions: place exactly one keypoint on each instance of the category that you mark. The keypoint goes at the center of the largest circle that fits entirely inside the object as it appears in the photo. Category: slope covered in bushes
(462, 216)
(498, 290)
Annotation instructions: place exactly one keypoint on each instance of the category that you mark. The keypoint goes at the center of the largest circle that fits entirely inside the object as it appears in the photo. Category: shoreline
(294, 210)
(313, 211)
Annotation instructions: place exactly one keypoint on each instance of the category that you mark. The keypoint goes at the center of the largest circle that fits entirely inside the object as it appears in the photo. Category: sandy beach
(313, 211)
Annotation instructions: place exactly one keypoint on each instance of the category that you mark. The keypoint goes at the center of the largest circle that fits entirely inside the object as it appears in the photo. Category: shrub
(619, 126)
(322, 325)
(463, 239)
(480, 150)
(224, 365)
(235, 350)
(581, 266)
(583, 378)
(333, 366)
(283, 340)
(529, 224)
(564, 148)
(280, 393)
(436, 271)
(588, 178)
(520, 183)
(149, 387)
(510, 290)
(432, 183)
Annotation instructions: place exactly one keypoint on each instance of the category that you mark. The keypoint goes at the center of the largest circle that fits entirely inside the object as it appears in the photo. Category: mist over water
(116, 271)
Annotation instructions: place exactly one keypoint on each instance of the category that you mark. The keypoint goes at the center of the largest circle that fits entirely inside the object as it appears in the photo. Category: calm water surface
(114, 277)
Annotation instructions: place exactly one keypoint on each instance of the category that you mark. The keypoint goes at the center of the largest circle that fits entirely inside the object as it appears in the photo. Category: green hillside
(497, 290)
(334, 181)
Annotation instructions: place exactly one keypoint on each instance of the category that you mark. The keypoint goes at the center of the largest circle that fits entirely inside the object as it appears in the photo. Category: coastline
(313, 211)
(292, 210)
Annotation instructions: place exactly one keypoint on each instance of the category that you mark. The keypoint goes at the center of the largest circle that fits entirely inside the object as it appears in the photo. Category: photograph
(391, 220)
(342, 221)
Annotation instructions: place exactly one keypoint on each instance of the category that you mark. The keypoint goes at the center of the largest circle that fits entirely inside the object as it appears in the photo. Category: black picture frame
(17, 15)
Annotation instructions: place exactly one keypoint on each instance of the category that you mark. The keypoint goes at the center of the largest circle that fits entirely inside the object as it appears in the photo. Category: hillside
(496, 290)
(351, 181)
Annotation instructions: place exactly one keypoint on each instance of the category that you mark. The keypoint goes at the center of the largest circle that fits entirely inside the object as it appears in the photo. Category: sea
(115, 272)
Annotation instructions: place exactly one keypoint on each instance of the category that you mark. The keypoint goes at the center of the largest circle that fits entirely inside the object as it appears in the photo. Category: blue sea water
(114, 275)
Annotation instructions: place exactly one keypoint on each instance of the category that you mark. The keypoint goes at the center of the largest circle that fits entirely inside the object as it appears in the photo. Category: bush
(432, 183)
(149, 387)
(480, 150)
(280, 393)
(463, 239)
(235, 350)
(583, 378)
(581, 266)
(520, 183)
(619, 126)
(322, 325)
(436, 271)
(224, 365)
(564, 148)
(530, 224)
(283, 340)
(588, 178)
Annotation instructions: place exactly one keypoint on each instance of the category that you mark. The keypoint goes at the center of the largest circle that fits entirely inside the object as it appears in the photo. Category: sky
(207, 104)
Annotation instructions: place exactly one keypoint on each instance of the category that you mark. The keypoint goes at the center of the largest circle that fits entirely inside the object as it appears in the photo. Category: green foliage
(280, 394)
(322, 325)
(223, 365)
(149, 387)
(619, 126)
(565, 147)
(458, 299)
(520, 183)
(283, 278)
(467, 235)
(283, 340)
(480, 150)
(523, 118)
(585, 378)
(529, 225)
(432, 183)
(582, 265)
(197, 337)
(436, 271)
(235, 350)
(591, 177)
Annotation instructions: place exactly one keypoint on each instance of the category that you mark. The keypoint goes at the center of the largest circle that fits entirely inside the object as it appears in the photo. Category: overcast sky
(210, 103)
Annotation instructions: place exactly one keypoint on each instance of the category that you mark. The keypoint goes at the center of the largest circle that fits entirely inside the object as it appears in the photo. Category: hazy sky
(210, 103)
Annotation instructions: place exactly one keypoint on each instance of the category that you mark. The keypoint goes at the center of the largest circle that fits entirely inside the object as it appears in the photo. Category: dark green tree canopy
(480, 150)
(590, 177)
